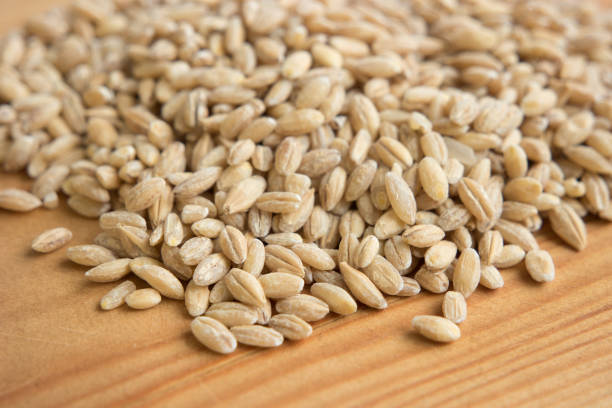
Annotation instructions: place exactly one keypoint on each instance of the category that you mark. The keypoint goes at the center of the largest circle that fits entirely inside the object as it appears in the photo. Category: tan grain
(213, 334)
(258, 336)
(211, 269)
(245, 287)
(109, 271)
(423, 236)
(290, 326)
(568, 226)
(116, 296)
(51, 240)
(362, 287)
(143, 299)
(467, 272)
(454, 307)
(490, 277)
(232, 313)
(539, 265)
(18, 200)
(436, 328)
(278, 285)
(509, 256)
(89, 255)
(410, 288)
(306, 307)
(196, 299)
(161, 279)
(434, 282)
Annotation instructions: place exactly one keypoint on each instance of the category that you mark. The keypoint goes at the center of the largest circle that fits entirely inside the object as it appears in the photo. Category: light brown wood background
(526, 344)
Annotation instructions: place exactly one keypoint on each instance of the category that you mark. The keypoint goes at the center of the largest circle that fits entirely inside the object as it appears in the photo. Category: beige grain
(194, 250)
(18, 200)
(362, 287)
(143, 299)
(109, 271)
(144, 194)
(568, 226)
(51, 240)
(233, 244)
(306, 307)
(440, 255)
(116, 296)
(517, 234)
(490, 277)
(312, 255)
(278, 202)
(423, 236)
(211, 269)
(213, 334)
(161, 279)
(467, 272)
(278, 285)
(258, 336)
(410, 288)
(436, 328)
(245, 287)
(401, 198)
(281, 259)
(338, 299)
(196, 299)
(434, 282)
(232, 313)
(454, 307)
(509, 256)
(490, 246)
(433, 179)
(540, 265)
(290, 326)
(89, 255)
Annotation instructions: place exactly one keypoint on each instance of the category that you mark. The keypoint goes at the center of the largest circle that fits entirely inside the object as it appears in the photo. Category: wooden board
(526, 344)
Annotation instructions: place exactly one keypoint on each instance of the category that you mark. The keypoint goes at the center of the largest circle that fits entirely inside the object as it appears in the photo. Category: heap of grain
(270, 161)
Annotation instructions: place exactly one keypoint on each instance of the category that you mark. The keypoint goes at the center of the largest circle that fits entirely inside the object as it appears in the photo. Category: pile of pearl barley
(269, 162)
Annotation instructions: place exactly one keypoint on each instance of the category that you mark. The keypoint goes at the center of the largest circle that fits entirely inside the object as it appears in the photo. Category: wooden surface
(526, 344)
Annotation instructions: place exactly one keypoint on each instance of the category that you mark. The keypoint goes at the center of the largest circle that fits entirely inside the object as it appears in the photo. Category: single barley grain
(258, 336)
(213, 334)
(362, 287)
(161, 279)
(18, 200)
(143, 298)
(467, 272)
(540, 265)
(290, 326)
(51, 240)
(454, 307)
(434, 282)
(509, 256)
(490, 277)
(211, 269)
(278, 285)
(232, 313)
(109, 271)
(338, 299)
(245, 287)
(306, 307)
(411, 287)
(196, 299)
(116, 296)
(89, 255)
(436, 328)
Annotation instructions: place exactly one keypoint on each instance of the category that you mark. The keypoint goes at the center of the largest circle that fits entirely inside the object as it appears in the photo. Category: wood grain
(526, 344)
